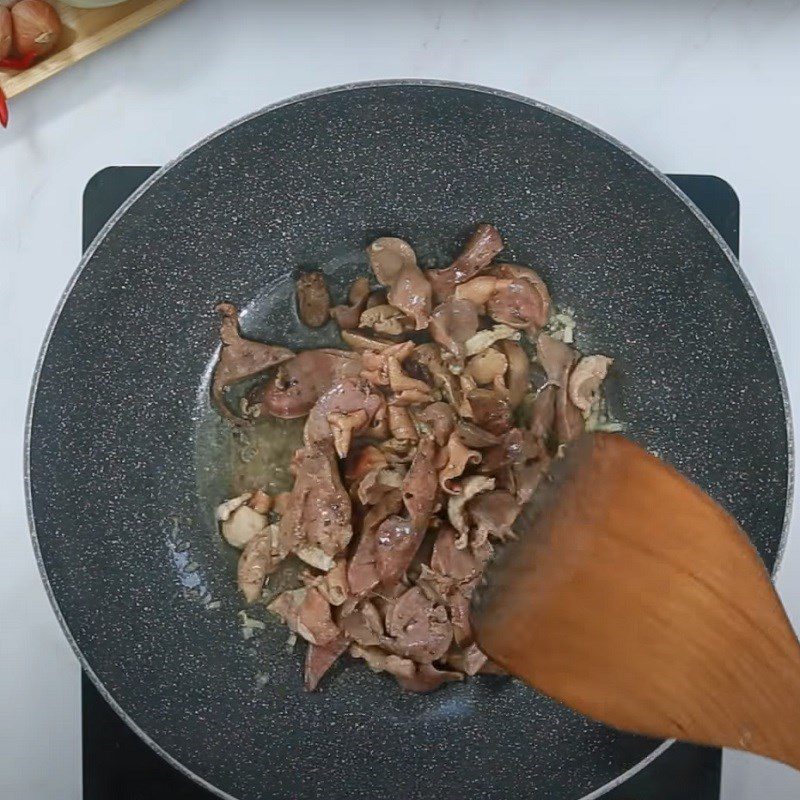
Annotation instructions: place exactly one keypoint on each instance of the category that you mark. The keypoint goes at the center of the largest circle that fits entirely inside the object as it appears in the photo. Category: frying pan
(125, 462)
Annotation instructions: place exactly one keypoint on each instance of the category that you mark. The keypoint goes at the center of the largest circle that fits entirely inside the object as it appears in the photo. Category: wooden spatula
(634, 598)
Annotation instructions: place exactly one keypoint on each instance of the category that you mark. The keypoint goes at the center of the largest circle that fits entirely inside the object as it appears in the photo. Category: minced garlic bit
(562, 325)
(250, 622)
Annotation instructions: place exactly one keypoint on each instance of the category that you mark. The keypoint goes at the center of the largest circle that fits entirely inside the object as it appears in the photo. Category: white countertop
(710, 86)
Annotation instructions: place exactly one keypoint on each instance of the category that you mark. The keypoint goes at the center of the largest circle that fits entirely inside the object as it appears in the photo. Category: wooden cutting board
(85, 31)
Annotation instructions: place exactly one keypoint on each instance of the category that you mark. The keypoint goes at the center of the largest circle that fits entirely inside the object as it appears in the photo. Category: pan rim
(349, 87)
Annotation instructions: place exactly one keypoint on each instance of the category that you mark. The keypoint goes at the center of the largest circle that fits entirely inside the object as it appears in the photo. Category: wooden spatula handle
(637, 600)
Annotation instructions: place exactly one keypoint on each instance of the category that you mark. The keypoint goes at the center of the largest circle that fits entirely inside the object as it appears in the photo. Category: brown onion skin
(37, 27)
(6, 32)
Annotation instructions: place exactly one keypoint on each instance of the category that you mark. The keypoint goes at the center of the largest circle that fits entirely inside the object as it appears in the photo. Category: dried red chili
(18, 63)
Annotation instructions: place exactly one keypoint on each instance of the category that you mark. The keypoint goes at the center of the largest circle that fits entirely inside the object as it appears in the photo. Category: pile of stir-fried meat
(419, 452)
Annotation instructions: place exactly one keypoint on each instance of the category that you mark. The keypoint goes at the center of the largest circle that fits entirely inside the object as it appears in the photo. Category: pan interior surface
(127, 460)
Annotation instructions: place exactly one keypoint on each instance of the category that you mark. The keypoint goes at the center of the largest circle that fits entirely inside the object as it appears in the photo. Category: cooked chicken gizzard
(416, 460)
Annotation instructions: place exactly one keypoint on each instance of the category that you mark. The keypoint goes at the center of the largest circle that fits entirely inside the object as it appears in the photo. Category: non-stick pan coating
(121, 395)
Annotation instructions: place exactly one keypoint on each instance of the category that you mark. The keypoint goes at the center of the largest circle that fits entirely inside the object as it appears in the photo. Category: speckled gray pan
(121, 465)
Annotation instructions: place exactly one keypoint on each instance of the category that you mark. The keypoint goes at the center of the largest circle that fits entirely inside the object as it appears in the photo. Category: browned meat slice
(555, 357)
(401, 424)
(471, 486)
(377, 482)
(345, 410)
(435, 586)
(314, 622)
(478, 291)
(261, 501)
(347, 317)
(287, 606)
(379, 427)
(313, 300)
(315, 556)
(469, 660)
(377, 298)
(260, 558)
(467, 385)
(452, 323)
(375, 364)
(458, 604)
(320, 658)
(475, 437)
(528, 476)
(362, 623)
(362, 343)
(307, 613)
(344, 427)
(459, 564)
(390, 503)
(488, 368)
(282, 501)
(420, 484)
(490, 668)
(558, 360)
(398, 453)
(362, 571)
(333, 584)
(543, 412)
(415, 368)
(429, 356)
(405, 389)
(518, 376)
(427, 678)
(439, 420)
(490, 411)
(517, 271)
(418, 628)
(520, 298)
(386, 319)
(423, 554)
(522, 460)
(380, 661)
(481, 247)
(301, 381)
(395, 266)
(360, 461)
(585, 380)
(512, 449)
(385, 476)
(493, 514)
(320, 512)
(396, 544)
(459, 457)
(533, 447)
(569, 420)
(239, 358)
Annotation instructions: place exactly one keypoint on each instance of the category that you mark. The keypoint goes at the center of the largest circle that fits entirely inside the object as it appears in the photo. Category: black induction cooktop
(118, 765)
